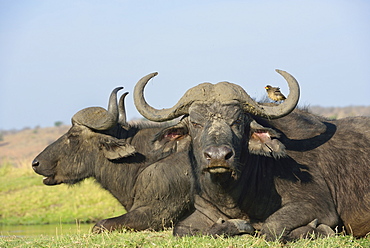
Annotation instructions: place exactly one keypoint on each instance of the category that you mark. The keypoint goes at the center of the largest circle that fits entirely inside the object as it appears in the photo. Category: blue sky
(57, 57)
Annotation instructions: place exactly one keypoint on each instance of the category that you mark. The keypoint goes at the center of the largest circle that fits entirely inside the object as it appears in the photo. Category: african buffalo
(274, 168)
(150, 180)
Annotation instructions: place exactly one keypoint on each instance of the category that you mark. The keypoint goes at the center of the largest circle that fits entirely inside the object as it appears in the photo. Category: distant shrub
(58, 123)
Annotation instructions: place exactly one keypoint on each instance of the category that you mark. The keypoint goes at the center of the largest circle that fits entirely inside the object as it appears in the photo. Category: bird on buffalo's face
(274, 93)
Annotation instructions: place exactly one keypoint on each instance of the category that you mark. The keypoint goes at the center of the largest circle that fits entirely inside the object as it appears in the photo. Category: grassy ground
(165, 239)
(26, 200)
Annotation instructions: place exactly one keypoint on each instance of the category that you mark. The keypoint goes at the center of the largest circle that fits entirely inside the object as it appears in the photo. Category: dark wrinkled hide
(152, 185)
(287, 174)
(289, 177)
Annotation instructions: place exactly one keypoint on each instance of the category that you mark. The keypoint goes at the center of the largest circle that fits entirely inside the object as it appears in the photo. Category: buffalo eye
(237, 127)
(237, 122)
(73, 138)
(196, 125)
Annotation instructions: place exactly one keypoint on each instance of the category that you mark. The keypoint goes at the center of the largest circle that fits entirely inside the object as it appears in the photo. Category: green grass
(165, 239)
(25, 200)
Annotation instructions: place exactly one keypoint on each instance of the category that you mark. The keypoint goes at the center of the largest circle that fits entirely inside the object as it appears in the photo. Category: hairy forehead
(227, 111)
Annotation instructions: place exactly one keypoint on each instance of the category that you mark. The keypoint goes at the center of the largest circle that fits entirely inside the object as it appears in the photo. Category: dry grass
(338, 113)
(21, 147)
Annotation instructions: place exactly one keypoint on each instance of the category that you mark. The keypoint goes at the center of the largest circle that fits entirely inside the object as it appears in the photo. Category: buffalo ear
(114, 149)
(263, 141)
(166, 140)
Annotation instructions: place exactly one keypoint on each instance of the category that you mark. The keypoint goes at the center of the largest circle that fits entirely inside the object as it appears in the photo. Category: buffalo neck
(246, 194)
(119, 176)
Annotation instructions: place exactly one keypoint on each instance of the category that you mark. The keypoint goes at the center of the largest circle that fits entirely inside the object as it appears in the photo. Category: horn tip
(118, 89)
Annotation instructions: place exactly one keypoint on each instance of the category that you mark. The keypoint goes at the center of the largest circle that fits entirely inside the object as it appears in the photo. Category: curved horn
(289, 104)
(148, 111)
(223, 92)
(122, 111)
(98, 118)
(112, 104)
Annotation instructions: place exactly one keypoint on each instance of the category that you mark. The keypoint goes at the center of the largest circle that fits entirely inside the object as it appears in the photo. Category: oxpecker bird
(274, 93)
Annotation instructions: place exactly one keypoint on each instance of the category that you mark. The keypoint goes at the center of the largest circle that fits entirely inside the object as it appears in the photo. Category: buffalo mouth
(56, 180)
(218, 169)
(49, 174)
(50, 180)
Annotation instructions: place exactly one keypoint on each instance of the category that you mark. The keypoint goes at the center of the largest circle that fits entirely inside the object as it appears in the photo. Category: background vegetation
(26, 200)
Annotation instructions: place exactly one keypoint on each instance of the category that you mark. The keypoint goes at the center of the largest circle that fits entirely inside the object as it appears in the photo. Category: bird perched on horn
(274, 93)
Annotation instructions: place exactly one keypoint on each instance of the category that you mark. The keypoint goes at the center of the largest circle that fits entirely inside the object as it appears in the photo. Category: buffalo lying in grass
(262, 166)
(150, 180)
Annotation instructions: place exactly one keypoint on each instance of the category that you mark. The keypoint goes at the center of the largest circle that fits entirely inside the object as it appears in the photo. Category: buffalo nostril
(35, 163)
(229, 154)
(207, 156)
(222, 152)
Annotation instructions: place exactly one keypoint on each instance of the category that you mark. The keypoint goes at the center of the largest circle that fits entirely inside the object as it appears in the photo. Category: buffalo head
(219, 119)
(64, 161)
